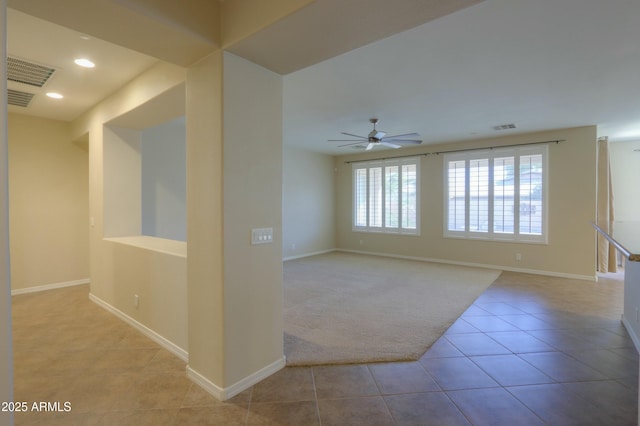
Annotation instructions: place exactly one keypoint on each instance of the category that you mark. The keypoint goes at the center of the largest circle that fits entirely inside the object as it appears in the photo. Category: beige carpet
(343, 308)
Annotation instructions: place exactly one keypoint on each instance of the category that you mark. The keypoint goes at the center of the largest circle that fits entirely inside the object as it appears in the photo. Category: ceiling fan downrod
(375, 135)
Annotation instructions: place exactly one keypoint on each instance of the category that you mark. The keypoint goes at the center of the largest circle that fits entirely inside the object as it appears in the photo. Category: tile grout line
(381, 395)
(246, 417)
(315, 395)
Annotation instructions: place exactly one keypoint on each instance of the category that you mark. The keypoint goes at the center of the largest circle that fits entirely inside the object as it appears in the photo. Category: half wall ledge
(161, 245)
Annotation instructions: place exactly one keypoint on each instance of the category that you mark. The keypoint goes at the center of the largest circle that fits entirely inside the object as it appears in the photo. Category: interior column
(205, 223)
(234, 190)
(6, 355)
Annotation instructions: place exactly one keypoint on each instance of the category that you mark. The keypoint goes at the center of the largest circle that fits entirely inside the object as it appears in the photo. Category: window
(386, 196)
(486, 198)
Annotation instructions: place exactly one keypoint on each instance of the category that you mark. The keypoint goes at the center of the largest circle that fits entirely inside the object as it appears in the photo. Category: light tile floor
(531, 350)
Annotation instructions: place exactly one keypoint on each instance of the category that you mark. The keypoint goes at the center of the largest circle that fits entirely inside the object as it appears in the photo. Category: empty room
(320, 212)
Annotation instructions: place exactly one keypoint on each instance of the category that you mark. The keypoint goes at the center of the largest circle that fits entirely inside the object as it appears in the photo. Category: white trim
(49, 286)
(479, 265)
(215, 390)
(167, 344)
(632, 334)
(300, 256)
(223, 394)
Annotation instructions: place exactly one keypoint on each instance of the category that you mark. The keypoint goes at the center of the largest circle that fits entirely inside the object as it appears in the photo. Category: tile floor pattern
(531, 350)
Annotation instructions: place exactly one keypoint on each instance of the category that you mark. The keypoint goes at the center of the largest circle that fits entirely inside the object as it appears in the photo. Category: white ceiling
(327, 28)
(44, 43)
(540, 64)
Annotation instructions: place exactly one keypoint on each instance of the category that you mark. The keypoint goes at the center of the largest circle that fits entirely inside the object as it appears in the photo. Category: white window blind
(498, 194)
(502, 196)
(530, 186)
(478, 191)
(386, 196)
(360, 197)
(375, 197)
(409, 208)
(392, 197)
(456, 193)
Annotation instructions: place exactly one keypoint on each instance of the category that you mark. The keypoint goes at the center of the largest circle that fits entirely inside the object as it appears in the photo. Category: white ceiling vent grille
(25, 72)
(18, 98)
(504, 126)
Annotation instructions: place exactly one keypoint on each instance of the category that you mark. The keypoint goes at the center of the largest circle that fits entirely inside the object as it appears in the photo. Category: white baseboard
(593, 278)
(477, 265)
(300, 256)
(49, 286)
(223, 394)
(167, 344)
(218, 392)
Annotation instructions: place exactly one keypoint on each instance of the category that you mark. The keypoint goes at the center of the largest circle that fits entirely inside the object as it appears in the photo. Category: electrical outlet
(518, 257)
(136, 301)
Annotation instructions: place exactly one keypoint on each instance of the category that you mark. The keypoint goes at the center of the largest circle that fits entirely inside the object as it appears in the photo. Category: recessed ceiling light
(83, 62)
(54, 95)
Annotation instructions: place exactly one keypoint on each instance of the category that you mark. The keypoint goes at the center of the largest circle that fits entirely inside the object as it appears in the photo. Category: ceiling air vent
(504, 126)
(18, 98)
(25, 72)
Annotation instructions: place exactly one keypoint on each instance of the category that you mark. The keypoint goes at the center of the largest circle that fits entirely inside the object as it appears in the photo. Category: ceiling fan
(377, 137)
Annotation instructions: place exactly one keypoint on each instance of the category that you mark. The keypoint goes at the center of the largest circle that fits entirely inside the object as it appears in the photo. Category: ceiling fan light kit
(377, 137)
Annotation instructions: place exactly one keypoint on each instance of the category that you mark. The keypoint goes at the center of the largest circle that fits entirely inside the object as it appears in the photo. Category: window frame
(517, 152)
(383, 165)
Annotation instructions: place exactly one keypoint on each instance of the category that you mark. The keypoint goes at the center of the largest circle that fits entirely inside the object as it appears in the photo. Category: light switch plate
(261, 236)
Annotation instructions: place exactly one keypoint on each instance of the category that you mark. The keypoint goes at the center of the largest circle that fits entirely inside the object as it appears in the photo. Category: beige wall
(158, 278)
(122, 182)
(149, 270)
(625, 174)
(308, 203)
(571, 245)
(164, 175)
(252, 199)
(6, 358)
(121, 269)
(234, 184)
(205, 219)
(49, 203)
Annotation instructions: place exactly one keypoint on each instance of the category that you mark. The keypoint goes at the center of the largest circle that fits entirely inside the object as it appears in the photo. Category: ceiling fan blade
(349, 144)
(408, 135)
(355, 136)
(378, 137)
(409, 141)
(390, 145)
